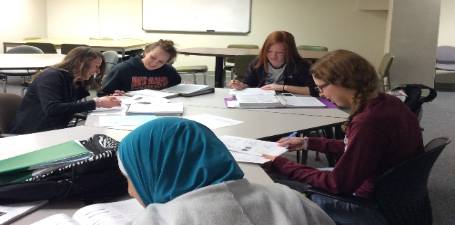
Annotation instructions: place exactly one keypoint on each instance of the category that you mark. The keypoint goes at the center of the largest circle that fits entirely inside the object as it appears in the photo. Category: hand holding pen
(292, 142)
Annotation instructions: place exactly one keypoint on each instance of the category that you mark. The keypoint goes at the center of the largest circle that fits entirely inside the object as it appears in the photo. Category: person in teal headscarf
(184, 174)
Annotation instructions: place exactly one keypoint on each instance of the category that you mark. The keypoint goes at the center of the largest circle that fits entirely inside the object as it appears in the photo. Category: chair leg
(194, 78)
(5, 83)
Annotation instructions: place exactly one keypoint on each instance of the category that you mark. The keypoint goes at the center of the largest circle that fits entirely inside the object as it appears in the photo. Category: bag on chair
(414, 98)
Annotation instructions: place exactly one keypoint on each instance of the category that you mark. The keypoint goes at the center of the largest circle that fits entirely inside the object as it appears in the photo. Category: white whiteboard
(220, 16)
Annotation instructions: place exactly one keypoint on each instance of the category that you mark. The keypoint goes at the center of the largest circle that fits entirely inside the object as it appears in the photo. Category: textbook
(53, 155)
(256, 98)
(158, 109)
(113, 213)
(189, 90)
(12, 212)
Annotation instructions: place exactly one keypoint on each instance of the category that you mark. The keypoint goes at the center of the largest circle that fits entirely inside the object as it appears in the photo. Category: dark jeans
(342, 213)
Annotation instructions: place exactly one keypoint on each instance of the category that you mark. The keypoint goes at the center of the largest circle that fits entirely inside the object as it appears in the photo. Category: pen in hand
(293, 134)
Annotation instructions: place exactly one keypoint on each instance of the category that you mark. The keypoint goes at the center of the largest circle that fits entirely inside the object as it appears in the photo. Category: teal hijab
(170, 156)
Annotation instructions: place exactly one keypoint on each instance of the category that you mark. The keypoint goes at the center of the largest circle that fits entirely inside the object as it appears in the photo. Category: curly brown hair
(349, 70)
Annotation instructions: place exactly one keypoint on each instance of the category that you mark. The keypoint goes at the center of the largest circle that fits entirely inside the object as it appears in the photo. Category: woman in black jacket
(278, 67)
(53, 98)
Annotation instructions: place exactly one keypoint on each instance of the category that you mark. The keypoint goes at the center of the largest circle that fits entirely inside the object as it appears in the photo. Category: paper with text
(114, 213)
(252, 146)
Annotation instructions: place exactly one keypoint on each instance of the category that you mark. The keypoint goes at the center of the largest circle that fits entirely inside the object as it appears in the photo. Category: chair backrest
(312, 48)
(65, 48)
(401, 193)
(111, 58)
(27, 49)
(9, 104)
(384, 71)
(231, 59)
(415, 97)
(445, 58)
(46, 47)
(241, 63)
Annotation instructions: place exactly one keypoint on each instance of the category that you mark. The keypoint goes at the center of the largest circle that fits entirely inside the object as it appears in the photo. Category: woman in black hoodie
(152, 71)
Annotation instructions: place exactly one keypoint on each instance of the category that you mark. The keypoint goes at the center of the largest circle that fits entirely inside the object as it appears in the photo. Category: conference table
(40, 140)
(122, 46)
(27, 63)
(221, 53)
(257, 124)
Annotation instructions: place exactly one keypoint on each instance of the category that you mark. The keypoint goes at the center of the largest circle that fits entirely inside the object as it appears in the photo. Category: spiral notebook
(98, 146)
(102, 147)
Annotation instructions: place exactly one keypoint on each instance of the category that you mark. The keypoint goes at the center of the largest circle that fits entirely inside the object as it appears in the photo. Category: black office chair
(21, 49)
(9, 104)
(415, 96)
(401, 193)
(65, 48)
(46, 47)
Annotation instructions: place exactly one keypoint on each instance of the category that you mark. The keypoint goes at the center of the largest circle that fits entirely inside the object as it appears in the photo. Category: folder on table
(69, 150)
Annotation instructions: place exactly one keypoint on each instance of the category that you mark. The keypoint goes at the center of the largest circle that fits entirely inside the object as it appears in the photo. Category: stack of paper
(159, 109)
(150, 93)
(256, 98)
(189, 90)
(251, 150)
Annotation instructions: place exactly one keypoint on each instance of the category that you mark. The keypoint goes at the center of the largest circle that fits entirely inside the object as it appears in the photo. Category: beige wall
(333, 23)
(413, 41)
(447, 23)
(22, 18)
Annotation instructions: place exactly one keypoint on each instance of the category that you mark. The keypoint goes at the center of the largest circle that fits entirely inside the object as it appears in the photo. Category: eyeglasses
(321, 87)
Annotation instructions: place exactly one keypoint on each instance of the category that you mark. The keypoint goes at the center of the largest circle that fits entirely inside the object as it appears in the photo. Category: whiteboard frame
(197, 31)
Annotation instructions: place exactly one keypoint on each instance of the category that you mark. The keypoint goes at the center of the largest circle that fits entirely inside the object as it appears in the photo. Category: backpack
(97, 178)
(414, 98)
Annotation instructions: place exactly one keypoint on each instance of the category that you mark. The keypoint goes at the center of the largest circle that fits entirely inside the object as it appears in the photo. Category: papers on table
(189, 90)
(301, 101)
(212, 121)
(11, 212)
(251, 91)
(123, 122)
(150, 93)
(163, 109)
(251, 150)
(256, 98)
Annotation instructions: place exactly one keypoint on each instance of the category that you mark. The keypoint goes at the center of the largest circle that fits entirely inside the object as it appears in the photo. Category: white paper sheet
(247, 158)
(252, 146)
(212, 121)
(122, 122)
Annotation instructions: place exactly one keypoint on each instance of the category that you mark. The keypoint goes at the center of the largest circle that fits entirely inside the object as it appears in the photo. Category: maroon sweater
(384, 134)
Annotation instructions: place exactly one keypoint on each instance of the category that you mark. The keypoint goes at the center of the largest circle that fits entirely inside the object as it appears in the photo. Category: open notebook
(257, 98)
(114, 213)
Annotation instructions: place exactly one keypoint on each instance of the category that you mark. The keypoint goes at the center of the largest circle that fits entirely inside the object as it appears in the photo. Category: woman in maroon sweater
(381, 132)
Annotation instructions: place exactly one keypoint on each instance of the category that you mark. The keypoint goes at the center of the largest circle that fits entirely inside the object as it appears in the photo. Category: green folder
(39, 158)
